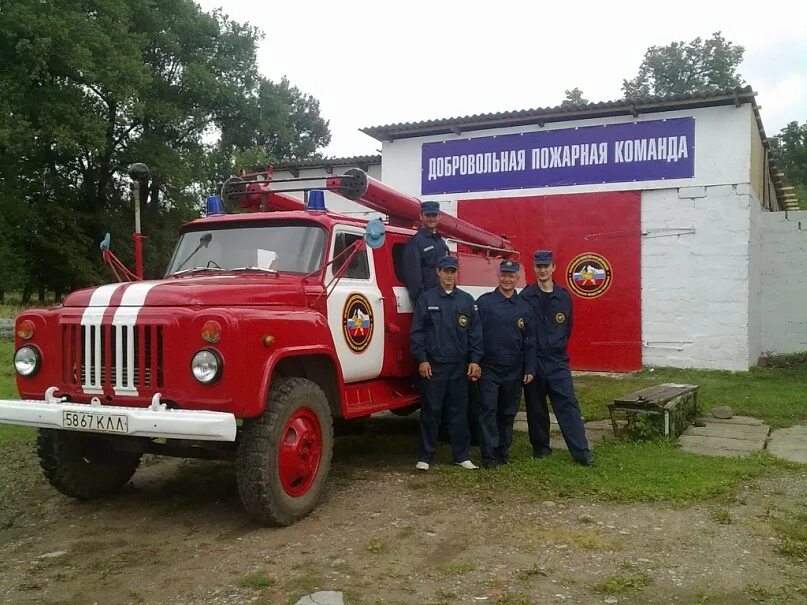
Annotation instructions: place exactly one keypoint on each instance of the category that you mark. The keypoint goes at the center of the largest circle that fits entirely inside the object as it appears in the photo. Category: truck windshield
(275, 247)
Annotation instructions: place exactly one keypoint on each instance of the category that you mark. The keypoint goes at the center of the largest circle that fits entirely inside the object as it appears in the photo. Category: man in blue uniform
(446, 342)
(552, 314)
(422, 252)
(509, 362)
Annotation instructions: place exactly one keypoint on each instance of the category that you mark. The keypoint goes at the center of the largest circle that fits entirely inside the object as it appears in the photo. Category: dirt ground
(177, 535)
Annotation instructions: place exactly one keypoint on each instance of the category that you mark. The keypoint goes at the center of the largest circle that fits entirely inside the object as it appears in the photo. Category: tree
(88, 88)
(682, 68)
(574, 98)
(793, 157)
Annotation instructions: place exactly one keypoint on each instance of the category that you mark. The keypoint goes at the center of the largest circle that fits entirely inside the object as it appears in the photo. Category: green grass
(721, 515)
(792, 532)
(256, 580)
(8, 390)
(376, 546)
(622, 583)
(774, 394)
(625, 471)
(455, 568)
(13, 305)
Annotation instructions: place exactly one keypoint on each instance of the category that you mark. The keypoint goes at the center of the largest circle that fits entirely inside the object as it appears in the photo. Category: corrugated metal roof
(356, 160)
(559, 113)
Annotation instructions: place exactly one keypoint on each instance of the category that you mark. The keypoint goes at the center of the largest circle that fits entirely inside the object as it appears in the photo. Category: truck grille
(125, 359)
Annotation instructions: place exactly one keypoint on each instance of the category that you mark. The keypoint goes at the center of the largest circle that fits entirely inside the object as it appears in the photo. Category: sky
(383, 62)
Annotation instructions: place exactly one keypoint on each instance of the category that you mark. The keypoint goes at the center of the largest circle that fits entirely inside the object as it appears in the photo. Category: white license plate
(95, 421)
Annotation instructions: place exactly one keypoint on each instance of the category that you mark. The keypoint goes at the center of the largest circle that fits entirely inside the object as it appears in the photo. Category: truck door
(356, 310)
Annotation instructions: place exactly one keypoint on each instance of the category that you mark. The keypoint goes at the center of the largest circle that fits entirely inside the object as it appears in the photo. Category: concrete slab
(737, 436)
(695, 445)
(789, 443)
(741, 431)
(323, 597)
(732, 420)
(726, 443)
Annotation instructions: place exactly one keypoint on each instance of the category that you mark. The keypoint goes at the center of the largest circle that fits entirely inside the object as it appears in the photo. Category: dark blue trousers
(500, 395)
(447, 388)
(558, 386)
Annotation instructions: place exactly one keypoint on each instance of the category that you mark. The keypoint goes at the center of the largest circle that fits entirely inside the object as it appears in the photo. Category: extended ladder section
(258, 192)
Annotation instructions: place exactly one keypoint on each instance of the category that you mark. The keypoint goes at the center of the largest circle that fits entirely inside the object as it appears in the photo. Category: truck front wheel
(82, 465)
(284, 455)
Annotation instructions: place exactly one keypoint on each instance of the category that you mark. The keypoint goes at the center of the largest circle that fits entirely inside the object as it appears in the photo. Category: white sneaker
(467, 464)
(422, 466)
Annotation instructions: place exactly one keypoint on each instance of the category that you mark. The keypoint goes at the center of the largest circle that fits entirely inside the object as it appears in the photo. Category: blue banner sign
(612, 153)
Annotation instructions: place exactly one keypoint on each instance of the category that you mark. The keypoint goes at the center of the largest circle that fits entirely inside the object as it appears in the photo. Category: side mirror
(375, 234)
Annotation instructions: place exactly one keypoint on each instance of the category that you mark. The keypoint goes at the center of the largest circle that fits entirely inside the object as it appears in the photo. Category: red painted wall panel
(607, 333)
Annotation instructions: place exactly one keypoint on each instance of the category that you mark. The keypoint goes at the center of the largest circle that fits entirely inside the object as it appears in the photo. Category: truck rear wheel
(284, 455)
(82, 465)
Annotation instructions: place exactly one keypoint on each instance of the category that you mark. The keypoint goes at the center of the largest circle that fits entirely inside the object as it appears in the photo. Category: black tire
(258, 466)
(82, 465)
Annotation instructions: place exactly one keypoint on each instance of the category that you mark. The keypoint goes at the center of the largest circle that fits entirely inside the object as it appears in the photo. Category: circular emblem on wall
(560, 318)
(589, 275)
(357, 322)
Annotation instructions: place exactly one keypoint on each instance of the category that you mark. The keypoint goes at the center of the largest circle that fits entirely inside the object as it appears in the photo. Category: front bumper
(155, 421)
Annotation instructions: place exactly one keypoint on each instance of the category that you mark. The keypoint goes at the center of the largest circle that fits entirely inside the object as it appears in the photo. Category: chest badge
(462, 320)
(520, 323)
(560, 318)
(357, 322)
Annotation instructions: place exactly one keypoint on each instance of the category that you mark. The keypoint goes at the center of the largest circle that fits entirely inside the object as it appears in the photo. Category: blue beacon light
(316, 201)
(214, 205)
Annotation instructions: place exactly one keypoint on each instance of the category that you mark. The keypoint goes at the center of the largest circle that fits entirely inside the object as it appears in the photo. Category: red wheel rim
(300, 452)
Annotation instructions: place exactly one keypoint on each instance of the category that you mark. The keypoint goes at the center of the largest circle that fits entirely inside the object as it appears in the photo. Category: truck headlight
(27, 360)
(206, 366)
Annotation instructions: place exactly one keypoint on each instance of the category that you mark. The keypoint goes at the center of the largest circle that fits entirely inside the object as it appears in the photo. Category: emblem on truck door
(357, 322)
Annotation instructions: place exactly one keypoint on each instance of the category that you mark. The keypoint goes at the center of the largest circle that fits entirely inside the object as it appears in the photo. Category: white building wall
(755, 280)
(695, 267)
(783, 282)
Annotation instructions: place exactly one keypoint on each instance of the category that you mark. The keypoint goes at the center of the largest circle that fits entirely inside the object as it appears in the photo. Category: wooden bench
(665, 410)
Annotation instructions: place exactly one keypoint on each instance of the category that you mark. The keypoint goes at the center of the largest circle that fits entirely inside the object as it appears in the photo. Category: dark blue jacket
(509, 335)
(446, 328)
(420, 257)
(553, 322)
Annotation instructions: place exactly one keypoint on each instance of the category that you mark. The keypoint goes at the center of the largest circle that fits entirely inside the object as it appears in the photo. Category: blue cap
(543, 257)
(509, 266)
(429, 207)
(448, 262)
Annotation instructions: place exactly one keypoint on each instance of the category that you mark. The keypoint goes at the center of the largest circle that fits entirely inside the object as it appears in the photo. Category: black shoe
(542, 454)
(489, 465)
(586, 462)
(504, 460)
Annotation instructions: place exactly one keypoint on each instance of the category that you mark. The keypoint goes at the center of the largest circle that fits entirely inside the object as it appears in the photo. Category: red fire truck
(270, 323)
